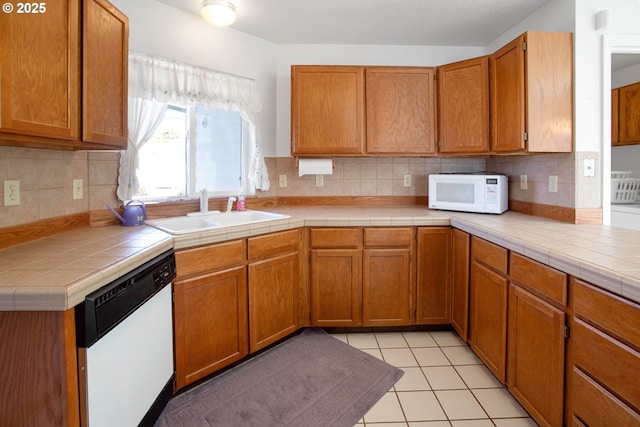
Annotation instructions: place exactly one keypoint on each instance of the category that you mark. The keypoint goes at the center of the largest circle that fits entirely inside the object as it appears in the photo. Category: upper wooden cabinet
(63, 76)
(532, 94)
(401, 110)
(327, 110)
(625, 115)
(463, 107)
(360, 111)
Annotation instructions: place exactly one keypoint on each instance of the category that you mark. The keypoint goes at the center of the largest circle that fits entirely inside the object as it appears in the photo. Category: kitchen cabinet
(536, 338)
(434, 275)
(463, 107)
(273, 287)
(532, 94)
(360, 111)
(210, 310)
(386, 278)
(336, 276)
(615, 97)
(361, 277)
(488, 306)
(327, 110)
(460, 259)
(39, 369)
(628, 115)
(72, 58)
(400, 110)
(605, 359)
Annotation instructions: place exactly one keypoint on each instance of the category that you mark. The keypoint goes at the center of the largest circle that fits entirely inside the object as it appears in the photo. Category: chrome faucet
(230, 203)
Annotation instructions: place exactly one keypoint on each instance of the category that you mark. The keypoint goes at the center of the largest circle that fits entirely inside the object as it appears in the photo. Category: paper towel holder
(333, 161)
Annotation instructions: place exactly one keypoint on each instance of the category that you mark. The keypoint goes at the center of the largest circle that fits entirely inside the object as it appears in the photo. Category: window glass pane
(162, 165)
(218, 151)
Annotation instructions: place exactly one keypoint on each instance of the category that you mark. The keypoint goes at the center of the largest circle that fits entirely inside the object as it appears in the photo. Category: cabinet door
(434, 279)
(104, 77)
(386, 284)
(273, 298)
(460, 282)
(336, 287)
(40, 71)
(615, 96)
(536, 356)
(463, 107)
(327, 110)
(508, 97)
(401, 110)
(210, 321)
(488, 318)
(629, 114)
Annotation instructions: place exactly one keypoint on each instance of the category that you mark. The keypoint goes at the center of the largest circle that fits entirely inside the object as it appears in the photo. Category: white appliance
(477, 192)
(125, 347)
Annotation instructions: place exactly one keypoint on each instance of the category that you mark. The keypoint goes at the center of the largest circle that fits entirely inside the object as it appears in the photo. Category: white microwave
(483, 193)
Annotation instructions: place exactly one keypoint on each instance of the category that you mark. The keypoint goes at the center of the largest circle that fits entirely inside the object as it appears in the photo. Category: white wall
(158, 29)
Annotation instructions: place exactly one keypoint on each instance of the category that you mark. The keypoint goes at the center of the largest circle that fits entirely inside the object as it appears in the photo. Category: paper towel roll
(315, 167)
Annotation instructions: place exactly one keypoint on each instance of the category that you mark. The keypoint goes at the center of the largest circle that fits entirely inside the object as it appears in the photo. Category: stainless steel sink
(213, 221)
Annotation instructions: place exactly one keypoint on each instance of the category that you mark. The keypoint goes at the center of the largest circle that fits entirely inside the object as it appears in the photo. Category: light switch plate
(407, 180)
(553, 183)
(77, 189)
(282, 182)
(523, 182)
(589, 167)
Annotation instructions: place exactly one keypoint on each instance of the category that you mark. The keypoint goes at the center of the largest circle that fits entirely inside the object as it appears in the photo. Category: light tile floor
(444, 383)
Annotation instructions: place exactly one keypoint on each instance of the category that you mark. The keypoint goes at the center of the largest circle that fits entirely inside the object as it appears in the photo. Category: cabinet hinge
(525, 136)
(566, 331)
(524, 46)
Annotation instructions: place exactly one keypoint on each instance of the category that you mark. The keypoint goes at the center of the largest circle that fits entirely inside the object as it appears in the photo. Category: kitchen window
(194, 148)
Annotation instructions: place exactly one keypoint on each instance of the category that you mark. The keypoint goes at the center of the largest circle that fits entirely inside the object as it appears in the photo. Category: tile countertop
(57, 272)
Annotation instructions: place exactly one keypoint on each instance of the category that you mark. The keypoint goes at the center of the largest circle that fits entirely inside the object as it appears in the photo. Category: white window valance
(172, 82)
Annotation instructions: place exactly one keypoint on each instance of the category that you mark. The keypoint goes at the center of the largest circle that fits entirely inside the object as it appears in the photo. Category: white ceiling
(392, 22)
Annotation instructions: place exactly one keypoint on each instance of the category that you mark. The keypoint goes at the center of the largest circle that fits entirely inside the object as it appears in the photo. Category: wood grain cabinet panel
(615, 97)
(629, 114)
(386, 288)
(210, 322)
(463, 107)
(400, 110)
(40, 72)
(72, 59)
(460, 258)
(536, 349)
(538, 277)
(104, 76)
(327, 110)
(434, 275)
(532, 94)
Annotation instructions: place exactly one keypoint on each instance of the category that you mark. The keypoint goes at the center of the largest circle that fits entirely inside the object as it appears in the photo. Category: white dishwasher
(125, 347)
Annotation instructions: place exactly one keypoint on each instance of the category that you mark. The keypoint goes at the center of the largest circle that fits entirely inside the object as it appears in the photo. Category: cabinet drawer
(335, 237)
(617, 316)
(595, 406)
(489, 254)
(387, 237)
(216, 257)
(546, 280)
(612, 363)
(273, 244)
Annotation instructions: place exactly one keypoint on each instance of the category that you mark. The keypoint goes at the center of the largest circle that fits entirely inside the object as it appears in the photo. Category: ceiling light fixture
(218, 12)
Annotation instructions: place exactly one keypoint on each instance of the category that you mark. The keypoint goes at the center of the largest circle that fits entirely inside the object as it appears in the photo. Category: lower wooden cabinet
(210, 322)
(460, 253)
(488, 309)
(361, 277)
(273, 288)
(434, 276)
(535, 355)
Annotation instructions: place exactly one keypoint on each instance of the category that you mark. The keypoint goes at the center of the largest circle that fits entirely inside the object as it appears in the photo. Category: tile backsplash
(46, 178)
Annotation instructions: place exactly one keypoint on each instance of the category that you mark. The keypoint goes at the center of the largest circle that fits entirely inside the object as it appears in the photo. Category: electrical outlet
(282, 182)
(319, 180)
(523, 182)
(407, 180)
(11, 193)
(77, 189)
(553, 183)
